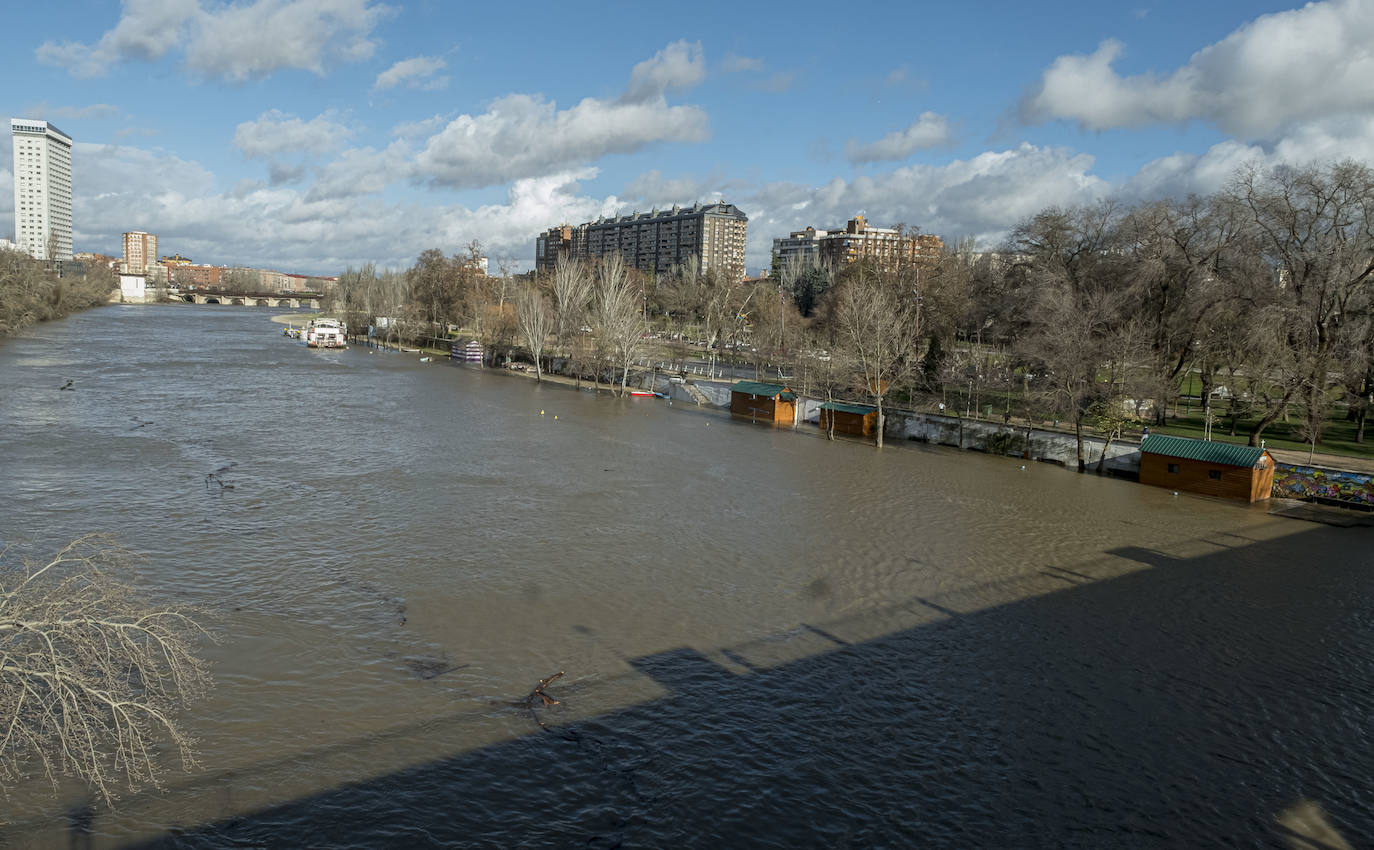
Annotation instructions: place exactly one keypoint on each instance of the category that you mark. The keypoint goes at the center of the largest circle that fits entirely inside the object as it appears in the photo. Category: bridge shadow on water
(1188, 703)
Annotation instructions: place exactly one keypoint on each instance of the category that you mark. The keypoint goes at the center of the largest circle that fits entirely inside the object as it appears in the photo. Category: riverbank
(1328, 482)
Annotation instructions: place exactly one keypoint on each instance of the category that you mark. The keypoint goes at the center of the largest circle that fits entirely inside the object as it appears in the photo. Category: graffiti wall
(1310, 482)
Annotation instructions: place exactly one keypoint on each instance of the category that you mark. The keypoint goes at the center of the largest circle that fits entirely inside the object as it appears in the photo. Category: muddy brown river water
(768, 640)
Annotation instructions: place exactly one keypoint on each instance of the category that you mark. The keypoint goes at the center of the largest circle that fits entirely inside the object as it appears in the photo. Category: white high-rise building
(42, 189)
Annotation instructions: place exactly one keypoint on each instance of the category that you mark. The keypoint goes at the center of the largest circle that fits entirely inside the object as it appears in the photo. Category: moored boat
(326, 333)
(470, 353)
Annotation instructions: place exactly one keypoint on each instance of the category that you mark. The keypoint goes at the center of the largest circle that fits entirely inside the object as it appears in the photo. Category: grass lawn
(1339, 436)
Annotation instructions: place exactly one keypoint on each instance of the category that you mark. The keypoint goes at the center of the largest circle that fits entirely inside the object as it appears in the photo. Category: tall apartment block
(140, 252)
(886, 247)
(654, 242)
(42, 189)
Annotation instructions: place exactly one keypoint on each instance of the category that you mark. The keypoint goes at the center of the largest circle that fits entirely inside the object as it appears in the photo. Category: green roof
(1225, 454)
(861, 409)
(766, 390)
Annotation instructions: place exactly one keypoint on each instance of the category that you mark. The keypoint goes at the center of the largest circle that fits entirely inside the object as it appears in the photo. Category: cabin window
(1173, 467)
(1214, 474)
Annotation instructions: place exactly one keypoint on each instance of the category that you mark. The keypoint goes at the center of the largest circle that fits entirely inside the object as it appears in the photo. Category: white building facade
(42, 189)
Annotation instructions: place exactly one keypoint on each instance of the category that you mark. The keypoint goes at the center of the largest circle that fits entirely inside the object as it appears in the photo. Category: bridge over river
(247, 299)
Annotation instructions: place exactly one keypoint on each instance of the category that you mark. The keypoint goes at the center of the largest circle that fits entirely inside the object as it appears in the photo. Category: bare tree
(572, 286)
(1315, 227)
(32, 292)
(616, 316)
(536, 319)
(877, 321)
(91, 674)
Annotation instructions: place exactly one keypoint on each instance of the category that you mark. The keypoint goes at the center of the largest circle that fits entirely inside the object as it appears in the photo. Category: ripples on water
(769, 640)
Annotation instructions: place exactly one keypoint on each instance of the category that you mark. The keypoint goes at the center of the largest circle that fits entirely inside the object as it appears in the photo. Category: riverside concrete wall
(1123, 458)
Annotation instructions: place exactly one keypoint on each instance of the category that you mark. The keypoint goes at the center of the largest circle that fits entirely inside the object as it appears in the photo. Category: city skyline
(321, 134)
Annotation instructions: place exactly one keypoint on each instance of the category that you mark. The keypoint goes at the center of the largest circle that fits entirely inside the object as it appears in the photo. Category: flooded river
(767, 640)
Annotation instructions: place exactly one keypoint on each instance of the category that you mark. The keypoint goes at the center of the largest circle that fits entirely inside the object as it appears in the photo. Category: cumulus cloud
(234, 41)
(1317, 142)
(523, 135)
(423, 127)
(279, 173)
(275, 132)
(1282, 68)
(653, 189)
(931, 130)
(292, 230)
(146, 31)
(416, 73)
(361, 171)
(983, 197)
(678, 66)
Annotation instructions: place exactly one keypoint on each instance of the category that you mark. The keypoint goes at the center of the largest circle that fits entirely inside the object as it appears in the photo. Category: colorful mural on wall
(1310, 482)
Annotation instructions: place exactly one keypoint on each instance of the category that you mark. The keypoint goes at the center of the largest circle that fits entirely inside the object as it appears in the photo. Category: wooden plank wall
(1237, 482)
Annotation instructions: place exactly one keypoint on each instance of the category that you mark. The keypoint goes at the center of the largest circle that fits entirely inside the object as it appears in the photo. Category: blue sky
(309, 135)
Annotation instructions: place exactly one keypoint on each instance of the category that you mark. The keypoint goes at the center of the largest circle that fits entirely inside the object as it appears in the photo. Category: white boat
(471, 353)
(326, 333)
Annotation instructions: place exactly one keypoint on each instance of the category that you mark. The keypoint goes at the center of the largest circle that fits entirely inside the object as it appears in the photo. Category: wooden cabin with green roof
(1200, 466)
(856, 420)
(759, 402)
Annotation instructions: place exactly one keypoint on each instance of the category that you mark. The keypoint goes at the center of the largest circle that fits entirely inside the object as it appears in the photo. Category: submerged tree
(616, 315)
(877, 323)
(91, 674)
(536, 320)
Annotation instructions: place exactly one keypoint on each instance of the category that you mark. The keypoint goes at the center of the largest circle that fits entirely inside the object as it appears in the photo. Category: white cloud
(423, 127)
(362, 171)
(417, 72)
(931, 130)
(146, 31)
(523, 135)
(1180, 174)
(984, 197)
(275, 132)
(294, 230)
(678, 66)
(234, 41)
(654, 190)
(733, 63)
(1304, 64)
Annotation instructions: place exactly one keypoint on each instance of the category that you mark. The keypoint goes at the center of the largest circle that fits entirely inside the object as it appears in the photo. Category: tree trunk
(1268, 418)
(880, 422)
(1102, 461)
(1078, 435)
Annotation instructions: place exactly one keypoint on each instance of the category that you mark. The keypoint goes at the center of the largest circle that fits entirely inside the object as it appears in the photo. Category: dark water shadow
(1119, 713)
